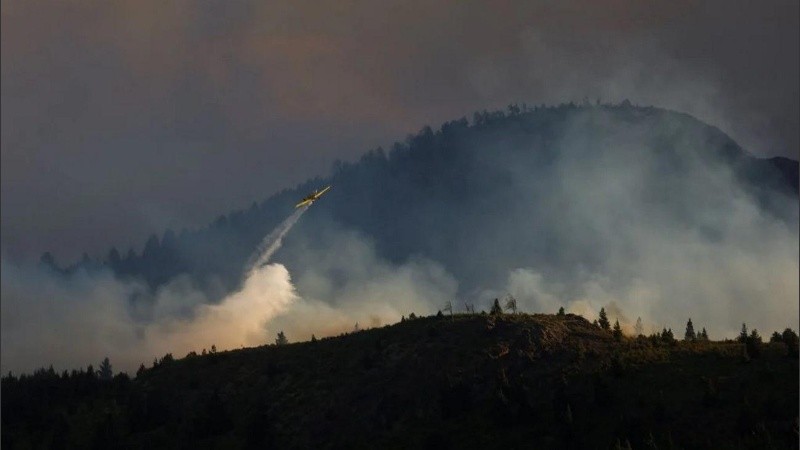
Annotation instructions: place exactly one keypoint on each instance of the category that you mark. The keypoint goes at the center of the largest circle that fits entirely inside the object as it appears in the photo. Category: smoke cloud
(72, 322)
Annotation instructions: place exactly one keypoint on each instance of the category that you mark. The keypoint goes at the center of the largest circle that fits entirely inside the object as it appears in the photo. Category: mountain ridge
(438, 166)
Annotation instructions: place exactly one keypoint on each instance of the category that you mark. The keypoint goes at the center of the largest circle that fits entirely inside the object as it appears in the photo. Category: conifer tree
(561, 311)
(689, 335)
(603, 321)
(743, 334)
(281, 339)
(105, 372)
(704, 334)
(617, 331)
(313, 338)
(753, 344)
(639, 328)
(496, 309)
(790, 338)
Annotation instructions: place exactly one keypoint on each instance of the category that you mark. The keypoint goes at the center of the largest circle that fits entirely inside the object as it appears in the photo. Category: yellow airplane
(312, 197)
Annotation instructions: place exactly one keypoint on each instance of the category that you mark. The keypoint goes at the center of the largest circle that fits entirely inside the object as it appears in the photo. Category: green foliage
(603, 320)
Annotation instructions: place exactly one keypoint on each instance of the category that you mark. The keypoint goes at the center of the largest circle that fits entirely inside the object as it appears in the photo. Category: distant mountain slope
(528, 188)
(462, 382)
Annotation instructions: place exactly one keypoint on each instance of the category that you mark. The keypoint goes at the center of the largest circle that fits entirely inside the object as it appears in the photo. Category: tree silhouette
(511, 304)
(561, 311)
(281, 339)
(753, 344)
(603, 321)
(639, 328)
(689, 335)
(704, 334)
(617, 331)
(448, 307)
(743, 334)
(105, 372)
(667, 336)
(790, 338)
(496, 309)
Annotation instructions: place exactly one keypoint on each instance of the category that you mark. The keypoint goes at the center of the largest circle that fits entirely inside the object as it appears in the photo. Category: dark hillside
(470, 381)
(498, 185)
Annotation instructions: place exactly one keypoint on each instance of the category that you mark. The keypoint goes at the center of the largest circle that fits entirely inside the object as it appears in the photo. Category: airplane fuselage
(312, 197)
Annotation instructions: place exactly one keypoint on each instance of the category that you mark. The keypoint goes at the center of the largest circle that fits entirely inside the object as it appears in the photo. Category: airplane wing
(303, 203)
(319, 194)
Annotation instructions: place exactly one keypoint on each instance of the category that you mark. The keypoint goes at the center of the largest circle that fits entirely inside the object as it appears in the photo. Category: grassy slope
(462, 382)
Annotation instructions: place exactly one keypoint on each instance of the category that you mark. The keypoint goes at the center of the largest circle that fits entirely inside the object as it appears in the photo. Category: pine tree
(603, 321)
(105, 372)
(743, 334)
(639, 328)
(496, 309)
(689, 335)
(140, 371)
(753, 344)
(281, 339)
(313, 338)
(704, 335)
(790, 338)
(561, 311)
(617, 331)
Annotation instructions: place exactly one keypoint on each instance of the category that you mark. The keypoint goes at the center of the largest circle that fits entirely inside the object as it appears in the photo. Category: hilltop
(523, 183)
(467, 381)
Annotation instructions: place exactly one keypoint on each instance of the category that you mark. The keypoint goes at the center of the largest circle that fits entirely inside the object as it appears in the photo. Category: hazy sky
(120, 119)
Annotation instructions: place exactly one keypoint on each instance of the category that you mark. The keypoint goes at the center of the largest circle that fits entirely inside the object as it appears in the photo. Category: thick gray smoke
(73, 322)
(598, 215)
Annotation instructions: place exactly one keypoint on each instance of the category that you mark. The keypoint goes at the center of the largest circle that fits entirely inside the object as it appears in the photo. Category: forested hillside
(504, 183)
(447, 382)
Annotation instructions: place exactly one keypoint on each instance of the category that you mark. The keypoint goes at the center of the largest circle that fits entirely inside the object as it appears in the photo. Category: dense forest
(472, 189)
(480, 380)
